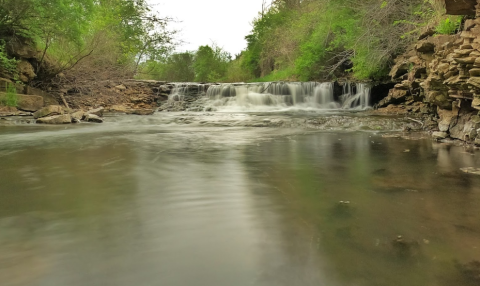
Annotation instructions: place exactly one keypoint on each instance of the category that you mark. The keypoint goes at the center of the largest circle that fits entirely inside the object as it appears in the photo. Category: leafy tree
(69, 31)
(210, 64)
(177, 67)
(320, 39)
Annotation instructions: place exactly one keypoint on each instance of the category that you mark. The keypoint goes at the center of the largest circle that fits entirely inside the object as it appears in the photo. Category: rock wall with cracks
(441, 73)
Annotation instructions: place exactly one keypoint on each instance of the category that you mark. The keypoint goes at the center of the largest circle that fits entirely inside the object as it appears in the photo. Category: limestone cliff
(441, 75)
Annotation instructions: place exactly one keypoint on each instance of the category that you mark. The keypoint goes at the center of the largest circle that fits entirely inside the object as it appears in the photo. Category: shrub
(449, 26)
(6, 63)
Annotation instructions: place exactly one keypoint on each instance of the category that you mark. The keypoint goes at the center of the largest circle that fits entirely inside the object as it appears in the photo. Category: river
(203, 199)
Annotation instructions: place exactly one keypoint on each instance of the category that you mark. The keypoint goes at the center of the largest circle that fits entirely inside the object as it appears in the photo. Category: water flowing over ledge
(275, 96)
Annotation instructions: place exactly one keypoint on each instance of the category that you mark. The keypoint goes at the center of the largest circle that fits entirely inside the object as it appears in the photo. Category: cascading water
(358, 99)
(182, 90)
(284, 96)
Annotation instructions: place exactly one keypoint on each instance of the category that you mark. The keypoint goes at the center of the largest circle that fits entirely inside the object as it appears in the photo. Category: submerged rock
(471, 170)
(470, 271)
(405, 248)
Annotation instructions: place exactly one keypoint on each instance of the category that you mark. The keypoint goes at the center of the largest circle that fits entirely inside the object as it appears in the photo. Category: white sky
(225, 22)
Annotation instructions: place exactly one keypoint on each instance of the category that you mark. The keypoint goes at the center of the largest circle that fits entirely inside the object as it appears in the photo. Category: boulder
(48, 111)
(77, 115)
(439, 135)
(25, 71)
(56, 119)
(462, 7)
(92, 118)
(462, 128)
(48, 98)
(446, 119)
(476, 103)
(30, 103)
(98, 111)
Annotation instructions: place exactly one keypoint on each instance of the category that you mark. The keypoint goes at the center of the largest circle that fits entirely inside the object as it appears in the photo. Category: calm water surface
(203, 200)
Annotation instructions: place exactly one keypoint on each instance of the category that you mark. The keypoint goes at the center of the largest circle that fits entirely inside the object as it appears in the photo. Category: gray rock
(48, 111)
(78, 115)
(446, 118)
(98, 111)
(57, 119)
(92, 118)
(476, 103)
(439, 135)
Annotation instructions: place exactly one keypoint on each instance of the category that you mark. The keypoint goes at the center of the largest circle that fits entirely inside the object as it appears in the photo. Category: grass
(11, 97)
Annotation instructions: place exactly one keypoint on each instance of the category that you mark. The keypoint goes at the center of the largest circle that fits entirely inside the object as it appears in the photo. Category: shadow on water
(167, 204)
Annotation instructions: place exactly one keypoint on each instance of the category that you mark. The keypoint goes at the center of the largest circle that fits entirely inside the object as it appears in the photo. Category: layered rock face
(122, 95)
(460, 7)
(441, 74)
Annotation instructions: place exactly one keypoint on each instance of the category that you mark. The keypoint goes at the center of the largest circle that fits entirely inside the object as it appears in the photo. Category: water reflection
(387, 211)
(158, 205)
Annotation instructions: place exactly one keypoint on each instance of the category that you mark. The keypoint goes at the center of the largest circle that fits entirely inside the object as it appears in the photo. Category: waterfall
(182, 90)
(357, 97)
(277, 96)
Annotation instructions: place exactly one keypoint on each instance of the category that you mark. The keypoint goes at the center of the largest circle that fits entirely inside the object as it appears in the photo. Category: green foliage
(68, 31)
(236, 71)
(207, 64)
(210, 64)
(177, 67)
(6, 63)
(277, 75)
(449, 26)
(11, 97)
(321, 39)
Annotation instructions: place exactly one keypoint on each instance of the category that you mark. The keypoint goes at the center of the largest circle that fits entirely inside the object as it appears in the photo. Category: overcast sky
(225, 22)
